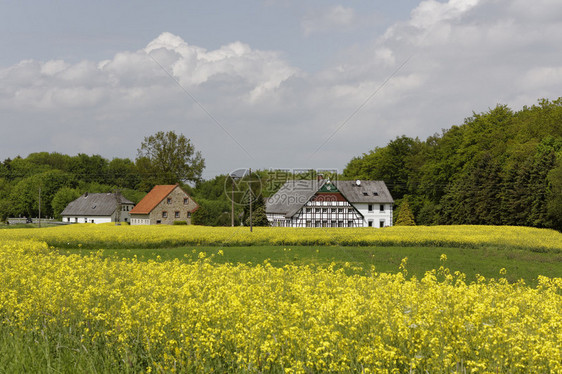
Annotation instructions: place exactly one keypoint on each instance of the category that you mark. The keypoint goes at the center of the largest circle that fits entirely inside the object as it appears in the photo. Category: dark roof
(95, 204)
(292, 196)
(365, 192)
(295, 193)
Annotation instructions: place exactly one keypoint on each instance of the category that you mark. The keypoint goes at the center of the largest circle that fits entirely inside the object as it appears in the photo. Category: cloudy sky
(265, 84)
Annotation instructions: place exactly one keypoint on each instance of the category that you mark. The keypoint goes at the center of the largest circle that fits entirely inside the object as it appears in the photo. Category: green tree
(213, 213)
(122, 172)
(404, 216)
(259, 218)
(554, 206)
(5, 204)
(62, 198)
(168, 158)
(25, 194)
(89, 168)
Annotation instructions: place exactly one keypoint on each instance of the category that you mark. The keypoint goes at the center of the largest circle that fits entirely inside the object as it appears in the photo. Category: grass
(519, 264)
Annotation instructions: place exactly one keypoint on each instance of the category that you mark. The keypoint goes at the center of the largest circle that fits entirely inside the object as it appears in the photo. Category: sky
(265, 84)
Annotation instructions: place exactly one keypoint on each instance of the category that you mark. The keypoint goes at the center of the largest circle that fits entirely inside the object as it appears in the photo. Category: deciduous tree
(168, 158)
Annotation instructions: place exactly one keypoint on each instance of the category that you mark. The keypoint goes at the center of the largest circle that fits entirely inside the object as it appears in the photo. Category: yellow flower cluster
(204, 317)
(111, 236)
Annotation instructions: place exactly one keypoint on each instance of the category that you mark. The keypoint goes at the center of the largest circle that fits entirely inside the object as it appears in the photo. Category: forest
(500, 167)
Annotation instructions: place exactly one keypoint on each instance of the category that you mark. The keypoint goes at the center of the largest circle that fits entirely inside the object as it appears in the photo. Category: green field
(519, 264)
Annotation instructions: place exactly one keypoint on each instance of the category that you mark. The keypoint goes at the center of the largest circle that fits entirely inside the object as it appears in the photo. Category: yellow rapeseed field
(111, 236)
(205, 317)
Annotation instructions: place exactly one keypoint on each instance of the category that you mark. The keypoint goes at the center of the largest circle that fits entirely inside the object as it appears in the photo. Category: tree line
(500, 167)
(55, 179)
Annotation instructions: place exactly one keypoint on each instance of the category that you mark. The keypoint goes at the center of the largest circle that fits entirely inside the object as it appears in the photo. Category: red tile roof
(152, 199)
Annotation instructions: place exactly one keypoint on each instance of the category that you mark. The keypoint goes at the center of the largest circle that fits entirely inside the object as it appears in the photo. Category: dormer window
(365, 194)
(375, 193)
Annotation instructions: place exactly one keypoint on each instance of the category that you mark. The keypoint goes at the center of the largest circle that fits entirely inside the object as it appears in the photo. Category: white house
(311, 203)
(98, 208)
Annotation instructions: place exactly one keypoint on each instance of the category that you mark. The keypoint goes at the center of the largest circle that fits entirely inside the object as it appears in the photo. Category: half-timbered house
(322, 203)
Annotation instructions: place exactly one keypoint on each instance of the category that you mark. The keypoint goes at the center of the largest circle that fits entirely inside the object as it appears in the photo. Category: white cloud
(423, 74)
(322, 20)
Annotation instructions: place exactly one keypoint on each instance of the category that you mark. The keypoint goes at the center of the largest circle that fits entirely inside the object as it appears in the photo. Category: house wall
(376, 215)
(87, 219)
(140, 219)
(123, 215)
(317, 213)
(175, 204)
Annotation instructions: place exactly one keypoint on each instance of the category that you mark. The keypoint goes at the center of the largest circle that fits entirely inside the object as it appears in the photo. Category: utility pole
(250, 187)
(117, 195)
(232, 200)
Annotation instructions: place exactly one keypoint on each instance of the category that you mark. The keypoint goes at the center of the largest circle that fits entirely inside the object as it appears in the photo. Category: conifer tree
(405, 217)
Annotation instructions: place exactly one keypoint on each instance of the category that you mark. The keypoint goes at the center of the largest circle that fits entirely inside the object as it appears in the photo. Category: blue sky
(265, 84)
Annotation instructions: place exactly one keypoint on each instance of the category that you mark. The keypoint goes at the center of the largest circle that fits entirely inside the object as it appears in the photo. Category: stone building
(164, 204)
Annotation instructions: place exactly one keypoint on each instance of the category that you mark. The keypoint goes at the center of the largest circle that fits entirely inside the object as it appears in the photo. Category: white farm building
(98, 208)
(311, 203)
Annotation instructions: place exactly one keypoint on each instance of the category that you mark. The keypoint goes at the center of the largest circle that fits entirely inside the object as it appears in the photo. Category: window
(334, 210)
(370, 223)
(308, 223)
(158, 222)
(169, 200)
(177, 214)
(316, 223)
(340, 223)
(309, 210)
(188, 214)
(340, 210)
(334, 224)
(185, 201)
(375, 193)
(382, 208)
(370, 207)
(349, 223)
(365, 194)
(381, 223)
(164, 214)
